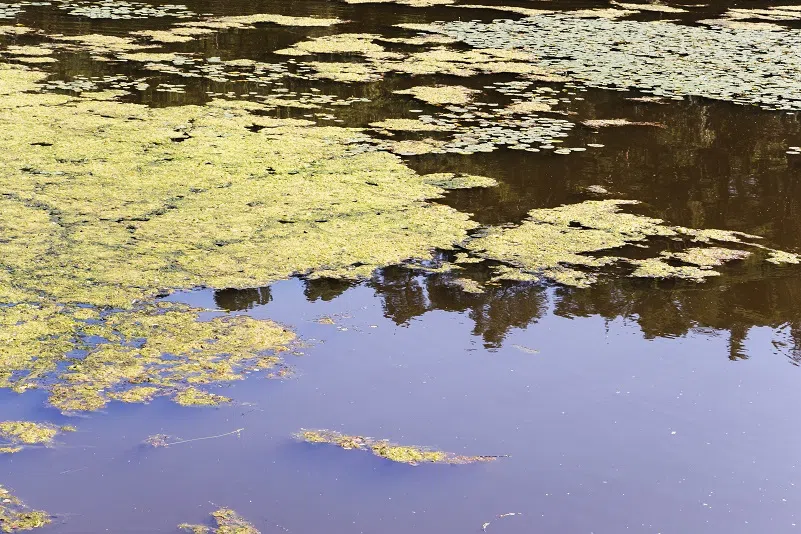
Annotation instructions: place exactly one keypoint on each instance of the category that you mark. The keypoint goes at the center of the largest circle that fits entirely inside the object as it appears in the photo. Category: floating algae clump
(228, 522)
(197, 397)
(15, 516)
(140, 353)
(84, 253)
(441, 94)
(17, 434)
(199, 212)
(447, 180)
(397, 453)
(659, 268)
(569, 243)
(662, 58)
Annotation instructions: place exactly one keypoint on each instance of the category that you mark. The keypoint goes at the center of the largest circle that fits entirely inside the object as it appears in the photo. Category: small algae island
(361, 214)
(405, 454)
(227, 522)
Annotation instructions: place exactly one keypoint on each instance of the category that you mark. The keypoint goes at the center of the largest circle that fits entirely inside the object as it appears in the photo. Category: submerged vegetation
(227, 522)
(405, 454)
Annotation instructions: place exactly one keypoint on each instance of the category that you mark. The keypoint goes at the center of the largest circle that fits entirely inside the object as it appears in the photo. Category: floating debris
(385, 449)
(227, 522)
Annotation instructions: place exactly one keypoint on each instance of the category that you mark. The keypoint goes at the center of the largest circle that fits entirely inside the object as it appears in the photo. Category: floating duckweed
(448, 180)
(15, 516)
(557, 244)
(138, 241)
(228, 522)
(441, 94)
(397, 453)
(120, 9)
(159, 230)
(664, 59)
(144, 353)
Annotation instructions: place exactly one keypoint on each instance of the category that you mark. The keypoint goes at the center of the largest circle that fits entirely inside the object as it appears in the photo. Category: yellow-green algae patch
(200, 212)
(441, 94)
(197, 397)
(133, 356)
(447, 180)
(85, 251)
(659, 268)
(227, 522)
(411, 455)
(15, 516)
(568, 244)
(468, 285)
(412, 3)
(247, 21)
(16, 434)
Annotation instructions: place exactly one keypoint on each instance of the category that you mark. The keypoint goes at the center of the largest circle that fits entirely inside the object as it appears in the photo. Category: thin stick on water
(237, 431)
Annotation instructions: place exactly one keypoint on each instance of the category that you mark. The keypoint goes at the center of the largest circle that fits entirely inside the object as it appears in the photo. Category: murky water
(630, 406)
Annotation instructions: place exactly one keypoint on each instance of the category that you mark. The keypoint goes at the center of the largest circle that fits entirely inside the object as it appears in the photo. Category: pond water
(633, 405)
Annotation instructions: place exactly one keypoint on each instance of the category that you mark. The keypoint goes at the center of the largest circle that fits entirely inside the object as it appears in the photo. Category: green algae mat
(110, 202)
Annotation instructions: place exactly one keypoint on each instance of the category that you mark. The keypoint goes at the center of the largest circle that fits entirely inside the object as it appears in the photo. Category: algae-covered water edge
(408, 265)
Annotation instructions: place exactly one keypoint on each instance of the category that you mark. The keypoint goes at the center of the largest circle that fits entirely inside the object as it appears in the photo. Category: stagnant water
(633, 406)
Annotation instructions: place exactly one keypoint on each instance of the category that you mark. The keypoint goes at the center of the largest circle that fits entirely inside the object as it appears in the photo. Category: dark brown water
(634, 406)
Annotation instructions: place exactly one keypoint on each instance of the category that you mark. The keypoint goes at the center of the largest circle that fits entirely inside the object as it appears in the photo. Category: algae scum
(165, 167)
